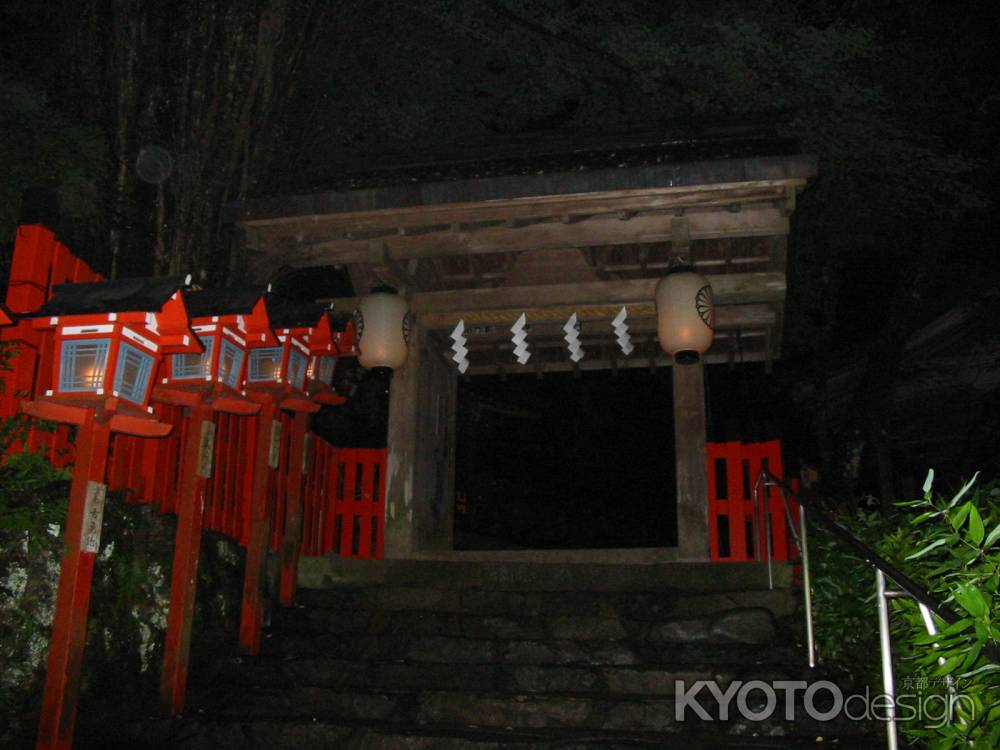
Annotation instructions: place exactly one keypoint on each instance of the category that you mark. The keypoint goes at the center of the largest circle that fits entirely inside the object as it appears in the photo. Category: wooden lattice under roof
(589, 241)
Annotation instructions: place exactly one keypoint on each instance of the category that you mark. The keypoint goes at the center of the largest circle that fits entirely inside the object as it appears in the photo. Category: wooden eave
(589, 242)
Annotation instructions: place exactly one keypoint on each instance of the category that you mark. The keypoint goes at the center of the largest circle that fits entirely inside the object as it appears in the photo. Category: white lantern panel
(132, 374)
(191, 366)
(265, 364)
(230, 363)
(323, 369)
(297, 369)
(82, 365)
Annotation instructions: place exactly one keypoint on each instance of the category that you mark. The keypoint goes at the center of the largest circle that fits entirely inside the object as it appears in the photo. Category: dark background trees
(270, 96)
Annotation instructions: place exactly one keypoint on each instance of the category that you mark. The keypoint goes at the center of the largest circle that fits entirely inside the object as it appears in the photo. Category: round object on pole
(685, 314)
(154, 165)
(382, 323)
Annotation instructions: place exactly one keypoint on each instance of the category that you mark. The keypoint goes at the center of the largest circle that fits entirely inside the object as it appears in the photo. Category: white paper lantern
(685, 314)
(382, 321)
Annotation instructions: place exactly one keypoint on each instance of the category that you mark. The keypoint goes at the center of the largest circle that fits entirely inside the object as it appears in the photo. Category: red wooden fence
(39, 261)
(345, 502)
(732, 470)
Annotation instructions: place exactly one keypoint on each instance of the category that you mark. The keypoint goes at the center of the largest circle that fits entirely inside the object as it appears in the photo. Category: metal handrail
(883, 570)
(868, 554)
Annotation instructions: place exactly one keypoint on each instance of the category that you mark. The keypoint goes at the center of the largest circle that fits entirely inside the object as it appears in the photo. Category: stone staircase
(473, 656)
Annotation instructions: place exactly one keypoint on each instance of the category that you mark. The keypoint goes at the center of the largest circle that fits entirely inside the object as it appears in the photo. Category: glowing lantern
(685, 314)
(227, 322)
(382, 324)
(110, 337)
(282, 369)
(331, 339)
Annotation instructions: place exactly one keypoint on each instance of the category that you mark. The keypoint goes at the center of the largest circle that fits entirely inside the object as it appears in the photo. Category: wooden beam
(726, 316)
(739, 288)
(588, 364)
(592, 300)
(295, 219)
(763, 220)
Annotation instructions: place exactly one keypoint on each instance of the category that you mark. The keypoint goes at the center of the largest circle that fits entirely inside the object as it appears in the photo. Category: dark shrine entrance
(517, 239)
(566, 462)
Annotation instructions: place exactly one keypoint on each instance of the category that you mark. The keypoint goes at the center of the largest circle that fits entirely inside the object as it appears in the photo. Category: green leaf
(933, 545)
(929, 481)
(956, 627)
(949, 666)
(976, 529)
(972, 656)
(957, 517)
(965, 488)
(972, 600)
(992, 537)
(924, 516)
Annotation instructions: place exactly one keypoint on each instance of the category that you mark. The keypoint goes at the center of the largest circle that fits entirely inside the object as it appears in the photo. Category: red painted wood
(292, 537)
(119, 461)
(349, 520)
(184, 573)
(743, 463)
(368, 496)
(30, 268)
(69, 626)
(252, 612)
(279, 483)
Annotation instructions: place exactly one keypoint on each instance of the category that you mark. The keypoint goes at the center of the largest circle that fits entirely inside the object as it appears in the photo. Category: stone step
(351, 602)
(460, 572)
(205, 734)
(403, 676)
(752, 625)
(496, 711)
(418, 648)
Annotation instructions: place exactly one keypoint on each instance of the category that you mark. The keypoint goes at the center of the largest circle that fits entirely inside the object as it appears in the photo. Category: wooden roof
(115, 296)
(589, 241)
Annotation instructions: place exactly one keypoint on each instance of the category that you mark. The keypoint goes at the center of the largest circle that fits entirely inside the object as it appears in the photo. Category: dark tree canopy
(269, 96)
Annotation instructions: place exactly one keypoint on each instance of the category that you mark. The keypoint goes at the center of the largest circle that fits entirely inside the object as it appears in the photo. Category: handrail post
(756, 527)
(769, 545)
(888, 681)
(806, 585)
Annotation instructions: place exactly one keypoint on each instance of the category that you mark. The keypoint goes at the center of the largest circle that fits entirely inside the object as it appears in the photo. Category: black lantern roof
(116, 296)
(340, 321)
(288, 314)
(234, 300)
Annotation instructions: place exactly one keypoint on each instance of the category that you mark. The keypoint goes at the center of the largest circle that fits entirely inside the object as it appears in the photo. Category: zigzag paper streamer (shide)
(572, 330)
(519, 339)
(458, 346)
(621, 332)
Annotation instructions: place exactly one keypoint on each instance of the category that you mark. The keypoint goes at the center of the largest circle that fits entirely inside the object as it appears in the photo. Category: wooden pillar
(434, 503)
(692, 471)
(401, 441)
(265, 461)
(292, 540)
(421, 460)
(196, 470)
(69, 626)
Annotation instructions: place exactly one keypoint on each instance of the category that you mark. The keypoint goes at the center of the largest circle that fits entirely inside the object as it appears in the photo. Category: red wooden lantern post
(312, 325)
(276, 378)
(109, 339)
(206, 383)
